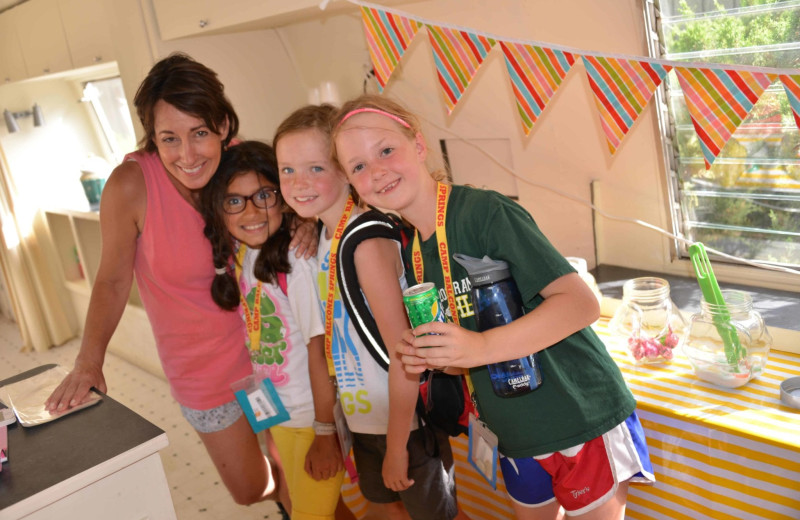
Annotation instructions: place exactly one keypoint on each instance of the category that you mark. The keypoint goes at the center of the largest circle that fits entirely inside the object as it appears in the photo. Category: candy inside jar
(648, 321)
(646, 348)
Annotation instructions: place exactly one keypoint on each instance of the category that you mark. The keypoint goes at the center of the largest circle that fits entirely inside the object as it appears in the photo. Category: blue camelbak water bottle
(497, 301)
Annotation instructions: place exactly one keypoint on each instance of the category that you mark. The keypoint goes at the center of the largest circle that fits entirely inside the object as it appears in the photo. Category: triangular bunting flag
(458, 55)
(718, 100)
(535, 74)
(621, 89)
(388, 36)
(791, 84)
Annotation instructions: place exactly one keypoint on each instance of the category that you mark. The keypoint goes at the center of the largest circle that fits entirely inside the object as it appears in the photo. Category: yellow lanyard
(442, 197)
(251, 317)
(337, 235)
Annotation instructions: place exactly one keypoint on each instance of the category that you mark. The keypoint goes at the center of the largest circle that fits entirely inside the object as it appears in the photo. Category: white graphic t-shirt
(363, 384)
(288, 321)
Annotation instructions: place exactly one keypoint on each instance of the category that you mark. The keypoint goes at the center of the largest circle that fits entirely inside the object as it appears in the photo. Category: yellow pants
(311, 499)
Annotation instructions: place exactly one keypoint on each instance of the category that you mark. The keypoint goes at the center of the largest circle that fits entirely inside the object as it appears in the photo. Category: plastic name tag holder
(27, 397)
(260, 403)
(483, 454)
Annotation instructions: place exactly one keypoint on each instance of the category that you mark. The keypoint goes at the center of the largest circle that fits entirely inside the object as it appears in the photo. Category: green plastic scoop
(711, 293)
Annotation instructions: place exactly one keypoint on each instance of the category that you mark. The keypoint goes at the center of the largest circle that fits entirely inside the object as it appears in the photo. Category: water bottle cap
(483, 271)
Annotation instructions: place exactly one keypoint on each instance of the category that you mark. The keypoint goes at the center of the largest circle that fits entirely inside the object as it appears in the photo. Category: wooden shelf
(78, 243)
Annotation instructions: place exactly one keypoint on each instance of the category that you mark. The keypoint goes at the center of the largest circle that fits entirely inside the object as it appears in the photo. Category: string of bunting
(718, 97)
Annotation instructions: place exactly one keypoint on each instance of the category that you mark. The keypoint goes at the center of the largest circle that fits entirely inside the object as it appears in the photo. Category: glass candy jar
(727, 345)
(647, 321)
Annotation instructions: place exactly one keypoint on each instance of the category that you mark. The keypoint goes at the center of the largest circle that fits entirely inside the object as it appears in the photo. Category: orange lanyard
(442, 197)
(251, 317)
(337, 235)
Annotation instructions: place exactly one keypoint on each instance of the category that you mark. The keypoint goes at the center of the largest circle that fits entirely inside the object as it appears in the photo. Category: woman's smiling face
(189, 150)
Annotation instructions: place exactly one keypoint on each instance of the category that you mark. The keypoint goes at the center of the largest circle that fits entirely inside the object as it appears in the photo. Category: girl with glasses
(249, 228)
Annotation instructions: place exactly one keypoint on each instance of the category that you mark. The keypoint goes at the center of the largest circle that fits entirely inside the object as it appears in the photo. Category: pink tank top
(202, 347)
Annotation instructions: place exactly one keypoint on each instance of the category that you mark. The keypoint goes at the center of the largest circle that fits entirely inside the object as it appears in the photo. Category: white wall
(268, 72)
(566, 149)
(45, 161)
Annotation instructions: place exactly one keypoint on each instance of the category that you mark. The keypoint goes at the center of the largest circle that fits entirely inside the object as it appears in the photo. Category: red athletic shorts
(583, 477)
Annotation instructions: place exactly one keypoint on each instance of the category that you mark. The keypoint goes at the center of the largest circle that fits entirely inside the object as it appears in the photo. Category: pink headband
(375, 111)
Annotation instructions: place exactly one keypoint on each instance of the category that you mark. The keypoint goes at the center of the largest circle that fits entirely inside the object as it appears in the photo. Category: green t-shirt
(583, 394)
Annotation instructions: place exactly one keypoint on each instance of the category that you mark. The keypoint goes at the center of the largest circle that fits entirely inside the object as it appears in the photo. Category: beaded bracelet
(321, 428)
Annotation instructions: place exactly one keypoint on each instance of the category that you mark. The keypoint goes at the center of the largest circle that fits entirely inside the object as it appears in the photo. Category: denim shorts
(214, 419)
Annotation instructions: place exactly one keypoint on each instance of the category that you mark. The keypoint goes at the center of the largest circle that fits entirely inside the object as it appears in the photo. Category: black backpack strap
(371, 224)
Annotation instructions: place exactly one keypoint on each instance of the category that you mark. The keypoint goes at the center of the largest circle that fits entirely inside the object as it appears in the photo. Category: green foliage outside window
(722, 206)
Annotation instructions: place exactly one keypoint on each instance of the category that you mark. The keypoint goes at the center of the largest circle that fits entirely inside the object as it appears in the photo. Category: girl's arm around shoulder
(569, 306)
(122, 213)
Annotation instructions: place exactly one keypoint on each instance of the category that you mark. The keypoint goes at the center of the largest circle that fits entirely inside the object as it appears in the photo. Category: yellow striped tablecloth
(718, 453)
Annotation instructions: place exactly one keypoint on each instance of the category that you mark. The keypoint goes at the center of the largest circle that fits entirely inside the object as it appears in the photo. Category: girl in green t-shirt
(575, 443)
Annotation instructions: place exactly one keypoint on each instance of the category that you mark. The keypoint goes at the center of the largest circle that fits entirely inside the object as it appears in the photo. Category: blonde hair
(392, 109)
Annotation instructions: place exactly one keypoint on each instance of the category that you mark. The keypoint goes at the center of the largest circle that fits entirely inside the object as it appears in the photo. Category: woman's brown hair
(189, 86)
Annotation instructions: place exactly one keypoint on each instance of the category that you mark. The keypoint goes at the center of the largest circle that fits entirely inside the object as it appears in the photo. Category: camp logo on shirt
(269, 357)
(346, 356)
(463, 292)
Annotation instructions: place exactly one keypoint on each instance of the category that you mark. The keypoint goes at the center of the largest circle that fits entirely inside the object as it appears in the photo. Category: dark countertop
(778, 308)
(42, 456)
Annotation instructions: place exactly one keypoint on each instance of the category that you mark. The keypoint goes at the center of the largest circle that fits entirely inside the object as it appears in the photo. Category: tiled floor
(197, 492)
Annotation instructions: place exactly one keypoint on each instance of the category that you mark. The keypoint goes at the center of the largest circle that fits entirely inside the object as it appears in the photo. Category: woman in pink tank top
(151, 227)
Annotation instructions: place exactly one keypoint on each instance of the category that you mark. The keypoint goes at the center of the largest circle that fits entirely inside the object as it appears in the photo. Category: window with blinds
(748, 203)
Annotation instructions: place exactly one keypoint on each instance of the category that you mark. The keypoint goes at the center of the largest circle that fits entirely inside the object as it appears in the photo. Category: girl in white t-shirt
(399, 472)
(249, 225)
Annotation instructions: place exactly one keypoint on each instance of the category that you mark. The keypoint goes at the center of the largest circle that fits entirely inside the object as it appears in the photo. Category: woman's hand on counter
(74, 389)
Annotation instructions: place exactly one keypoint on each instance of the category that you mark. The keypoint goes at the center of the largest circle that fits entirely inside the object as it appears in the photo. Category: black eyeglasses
(265, 198)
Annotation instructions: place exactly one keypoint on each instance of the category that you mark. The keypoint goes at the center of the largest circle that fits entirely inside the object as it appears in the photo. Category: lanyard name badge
(345, 436)
(259, 400)
(484, 455)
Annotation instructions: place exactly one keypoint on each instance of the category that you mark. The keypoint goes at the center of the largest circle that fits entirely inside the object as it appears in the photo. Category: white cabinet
(41, 37)
(78, 244)
(181, 18)
(12, 65)
(86, 27)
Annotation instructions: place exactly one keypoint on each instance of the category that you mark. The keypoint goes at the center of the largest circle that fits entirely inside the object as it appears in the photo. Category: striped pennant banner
(458, 55)
(535, 74)
(622, 88)
(388, 36)
(718, 101)
(791, 84)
